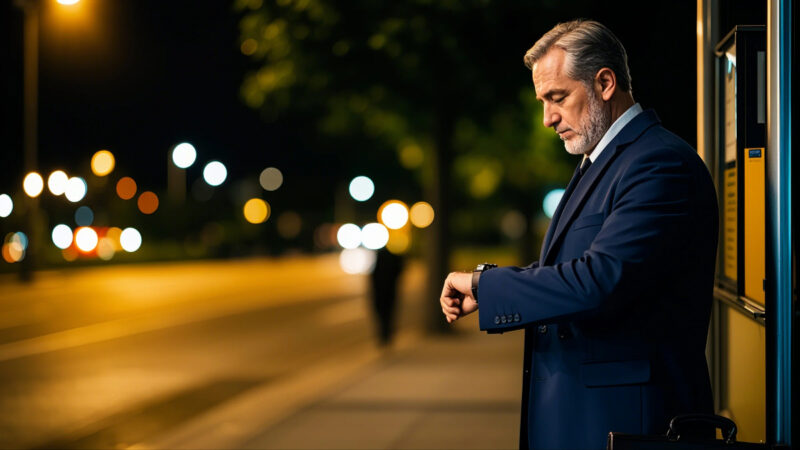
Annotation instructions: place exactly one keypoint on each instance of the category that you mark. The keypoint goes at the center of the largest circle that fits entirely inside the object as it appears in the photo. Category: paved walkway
(459, 391)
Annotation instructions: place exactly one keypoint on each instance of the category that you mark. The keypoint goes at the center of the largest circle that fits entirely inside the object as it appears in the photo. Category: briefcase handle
(679, 423)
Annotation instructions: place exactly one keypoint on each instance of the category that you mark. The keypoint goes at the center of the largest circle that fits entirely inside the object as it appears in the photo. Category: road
(110, 357)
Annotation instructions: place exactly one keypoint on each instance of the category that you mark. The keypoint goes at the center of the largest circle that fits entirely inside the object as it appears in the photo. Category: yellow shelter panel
(744, 375)
(730, 222)
(754, 224)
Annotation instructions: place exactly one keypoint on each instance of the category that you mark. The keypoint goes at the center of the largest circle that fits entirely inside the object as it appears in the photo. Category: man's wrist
(476, 277)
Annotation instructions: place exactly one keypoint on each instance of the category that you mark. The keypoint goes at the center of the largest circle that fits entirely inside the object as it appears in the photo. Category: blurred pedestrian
(384, 292)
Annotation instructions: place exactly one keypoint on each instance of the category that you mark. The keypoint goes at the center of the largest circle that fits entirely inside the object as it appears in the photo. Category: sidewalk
(459, 391)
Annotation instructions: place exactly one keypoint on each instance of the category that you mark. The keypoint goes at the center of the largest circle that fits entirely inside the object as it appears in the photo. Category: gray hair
(589, 46)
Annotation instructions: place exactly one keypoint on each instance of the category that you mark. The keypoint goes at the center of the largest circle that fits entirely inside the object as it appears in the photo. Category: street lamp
(30, 9)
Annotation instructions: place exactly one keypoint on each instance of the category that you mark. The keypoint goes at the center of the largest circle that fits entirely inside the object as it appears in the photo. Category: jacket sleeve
(650, 209)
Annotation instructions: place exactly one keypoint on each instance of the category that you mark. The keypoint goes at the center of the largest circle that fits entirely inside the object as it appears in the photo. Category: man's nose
(550, 117)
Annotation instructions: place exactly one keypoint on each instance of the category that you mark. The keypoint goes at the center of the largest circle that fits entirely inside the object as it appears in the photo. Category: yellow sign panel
(754, 223)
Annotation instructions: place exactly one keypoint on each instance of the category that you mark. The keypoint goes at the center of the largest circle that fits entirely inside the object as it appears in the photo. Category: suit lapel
(567, 210)
(557, 214)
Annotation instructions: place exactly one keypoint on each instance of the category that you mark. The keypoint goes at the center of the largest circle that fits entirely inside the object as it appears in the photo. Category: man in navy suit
(616, 310)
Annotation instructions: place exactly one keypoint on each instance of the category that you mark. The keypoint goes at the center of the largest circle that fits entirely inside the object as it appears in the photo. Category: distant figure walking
(384, 292)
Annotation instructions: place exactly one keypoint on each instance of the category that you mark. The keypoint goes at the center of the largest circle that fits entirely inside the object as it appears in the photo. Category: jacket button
(516, 318)
(542, 329)
(497, 320)
(509, 318)
(503, 319)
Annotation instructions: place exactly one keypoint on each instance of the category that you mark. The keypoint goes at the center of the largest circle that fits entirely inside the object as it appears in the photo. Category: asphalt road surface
(109, 357)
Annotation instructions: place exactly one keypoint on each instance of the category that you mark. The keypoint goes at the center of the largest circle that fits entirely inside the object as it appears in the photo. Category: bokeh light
(62, 236)
(33, 184)
(67, 2)
(6, 205)
(114, 234)
(411, 155)
(361, 188)
(126, 188)
(374, 236)
(76, 189)
(130, 239)
(105, 249)
(102, 163)
(148, 202)
(84, 216)
(20, 238)
(57, 182)
(399, 241)
(184, 155)
(289, 224)
(13, 252)
(513, 224)
(86, 239)
(256, 210)
(550, 202)
(270, 179)
(249, 46)
(357, 261)
(421, 214)
(349, 235)
(393, 214)
(215, 173)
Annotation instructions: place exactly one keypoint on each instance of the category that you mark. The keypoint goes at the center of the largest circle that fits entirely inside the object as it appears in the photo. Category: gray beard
(592, 128)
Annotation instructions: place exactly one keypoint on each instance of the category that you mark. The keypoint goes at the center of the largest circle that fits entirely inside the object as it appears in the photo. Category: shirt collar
(614, 129)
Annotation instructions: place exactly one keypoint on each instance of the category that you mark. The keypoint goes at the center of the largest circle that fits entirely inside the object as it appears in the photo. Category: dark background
(145, 75)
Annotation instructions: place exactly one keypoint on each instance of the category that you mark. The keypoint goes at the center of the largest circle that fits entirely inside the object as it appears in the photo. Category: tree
(436, 81)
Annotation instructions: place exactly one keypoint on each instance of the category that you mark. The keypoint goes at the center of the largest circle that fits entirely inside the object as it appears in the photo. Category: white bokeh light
(215, 173)
(184, 155)
(374, 236)
(33, 184)
(550, 202)
(62, 236)
(394, 215)
(130, 240)
(349, 235)
(6, 205)
(357, 261)
(86, 239)
(362, 188)
(76, 189)
(57, 182)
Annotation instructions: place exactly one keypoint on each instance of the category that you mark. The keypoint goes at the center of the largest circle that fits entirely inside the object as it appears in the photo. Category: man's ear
(605, 81)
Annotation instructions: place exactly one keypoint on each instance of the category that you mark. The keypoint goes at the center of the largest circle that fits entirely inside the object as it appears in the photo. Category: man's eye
(558, 99)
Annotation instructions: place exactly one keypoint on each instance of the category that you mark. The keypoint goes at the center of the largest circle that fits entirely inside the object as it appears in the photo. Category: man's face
(572, 108)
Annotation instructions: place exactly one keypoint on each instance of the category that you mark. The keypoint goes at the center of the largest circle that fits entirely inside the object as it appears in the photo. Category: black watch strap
(476, 277)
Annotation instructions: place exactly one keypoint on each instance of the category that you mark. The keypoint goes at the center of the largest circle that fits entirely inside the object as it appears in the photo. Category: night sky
(137, 77)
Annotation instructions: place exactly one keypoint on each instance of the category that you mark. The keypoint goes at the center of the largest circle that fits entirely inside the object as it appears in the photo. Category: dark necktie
(585, 165)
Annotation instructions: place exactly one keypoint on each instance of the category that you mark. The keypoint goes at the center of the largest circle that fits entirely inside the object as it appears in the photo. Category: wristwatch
(476, 276)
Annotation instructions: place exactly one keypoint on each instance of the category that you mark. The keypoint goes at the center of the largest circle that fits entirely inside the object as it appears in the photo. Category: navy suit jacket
(616, 310)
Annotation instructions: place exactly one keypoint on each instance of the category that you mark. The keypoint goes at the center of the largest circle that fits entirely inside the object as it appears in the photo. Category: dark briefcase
(682, 435)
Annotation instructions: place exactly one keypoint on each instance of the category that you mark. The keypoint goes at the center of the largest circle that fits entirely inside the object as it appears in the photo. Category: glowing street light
(184, 155)
(374, 236)
(550, 202)
(361, 188)
(62, 236)
(6, 205)
(33, 184)
(393, 214)
(76, 189)
(86, 239)
(130, 239)
(57, 182)
(68, 2)
(349, 236)
(103, 163)
(215, 173)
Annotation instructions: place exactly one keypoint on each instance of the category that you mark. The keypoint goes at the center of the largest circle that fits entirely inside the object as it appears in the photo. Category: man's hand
(456, 299)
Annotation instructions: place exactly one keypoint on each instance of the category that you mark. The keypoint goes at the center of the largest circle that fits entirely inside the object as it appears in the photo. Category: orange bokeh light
(148, 202)
(126, 188)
